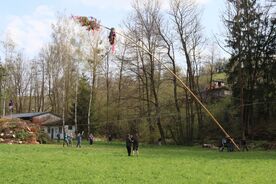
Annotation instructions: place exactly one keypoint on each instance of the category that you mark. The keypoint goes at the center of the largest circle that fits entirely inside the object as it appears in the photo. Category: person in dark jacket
(79, 138)
(109, 138)
(128, 144)
(243, 145)
(230, 146)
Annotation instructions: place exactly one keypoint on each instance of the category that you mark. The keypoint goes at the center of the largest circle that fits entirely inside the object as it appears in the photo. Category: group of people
(227, 143)
(67, 140)
(132, 142)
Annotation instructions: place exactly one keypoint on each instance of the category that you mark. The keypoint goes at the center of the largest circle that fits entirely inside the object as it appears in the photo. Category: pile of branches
(269, 146)
(16, 131)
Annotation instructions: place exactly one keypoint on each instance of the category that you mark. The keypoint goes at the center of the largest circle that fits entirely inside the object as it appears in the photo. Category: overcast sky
(29, 21)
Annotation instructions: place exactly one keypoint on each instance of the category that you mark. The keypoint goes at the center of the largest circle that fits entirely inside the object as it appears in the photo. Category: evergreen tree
(82, 107)
(251, 38)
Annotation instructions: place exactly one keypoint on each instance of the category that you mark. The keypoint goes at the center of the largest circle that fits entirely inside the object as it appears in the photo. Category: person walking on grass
(128, 144)
(79, 138)
(90, 138)
(135, 145)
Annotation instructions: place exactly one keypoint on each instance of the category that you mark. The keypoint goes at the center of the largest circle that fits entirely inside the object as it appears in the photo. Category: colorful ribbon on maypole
(111, 37)
(90, 23)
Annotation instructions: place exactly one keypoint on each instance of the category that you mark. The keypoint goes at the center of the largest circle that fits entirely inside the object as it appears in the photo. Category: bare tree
(9, 51)
(93, 61)
(146, 18)
(185, 16)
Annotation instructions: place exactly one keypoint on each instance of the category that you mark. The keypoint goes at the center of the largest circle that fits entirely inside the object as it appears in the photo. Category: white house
(55, 129)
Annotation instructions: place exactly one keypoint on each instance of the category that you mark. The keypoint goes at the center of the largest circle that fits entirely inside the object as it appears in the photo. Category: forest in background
(77, 76)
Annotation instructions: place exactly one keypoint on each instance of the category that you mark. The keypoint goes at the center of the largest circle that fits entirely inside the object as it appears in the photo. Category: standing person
(90, 138)
(65, 139)
(128, 144)
(159, 142)
(135, 144)
(229, 144)
(79, 138)
(69, 138)
(223, 144)
(58, 137)
(11, 106)
(243, 145)
(109, 138)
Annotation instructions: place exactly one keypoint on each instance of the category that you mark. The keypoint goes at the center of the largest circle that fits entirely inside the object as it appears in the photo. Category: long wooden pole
(184, 85)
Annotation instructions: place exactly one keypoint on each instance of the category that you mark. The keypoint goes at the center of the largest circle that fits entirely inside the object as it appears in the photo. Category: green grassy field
(103, 163)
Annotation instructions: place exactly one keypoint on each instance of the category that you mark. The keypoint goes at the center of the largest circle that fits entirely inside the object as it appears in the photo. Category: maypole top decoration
(93, 24)
(89, 22)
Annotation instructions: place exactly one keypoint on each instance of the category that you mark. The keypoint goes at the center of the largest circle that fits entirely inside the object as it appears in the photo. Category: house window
(49, 130)
(70, 127)
(60, 129)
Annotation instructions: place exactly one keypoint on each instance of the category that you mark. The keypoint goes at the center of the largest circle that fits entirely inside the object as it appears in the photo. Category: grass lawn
(103, 163)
